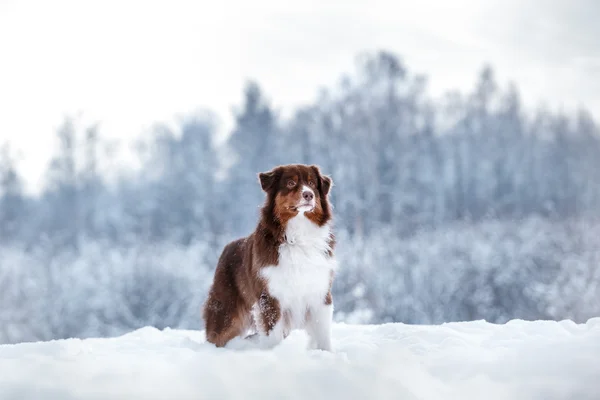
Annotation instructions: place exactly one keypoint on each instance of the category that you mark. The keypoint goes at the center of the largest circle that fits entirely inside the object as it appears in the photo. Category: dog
(279, 278)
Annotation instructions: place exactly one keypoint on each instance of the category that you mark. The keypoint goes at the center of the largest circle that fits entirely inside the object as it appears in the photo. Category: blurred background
(461, 137)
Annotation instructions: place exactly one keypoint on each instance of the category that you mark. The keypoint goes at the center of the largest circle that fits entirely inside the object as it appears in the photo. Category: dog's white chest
(302, 277)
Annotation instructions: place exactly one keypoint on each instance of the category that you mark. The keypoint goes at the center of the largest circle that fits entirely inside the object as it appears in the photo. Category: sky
(130, 64)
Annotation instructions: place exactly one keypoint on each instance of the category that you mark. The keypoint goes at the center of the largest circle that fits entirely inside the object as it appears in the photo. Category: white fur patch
(311, 204)
(301, 280)
(307, 189)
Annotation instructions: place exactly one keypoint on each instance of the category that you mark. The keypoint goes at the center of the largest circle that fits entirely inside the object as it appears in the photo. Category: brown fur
(237, 284)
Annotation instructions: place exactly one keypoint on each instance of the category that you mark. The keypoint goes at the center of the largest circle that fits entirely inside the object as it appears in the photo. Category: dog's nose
(308, 196)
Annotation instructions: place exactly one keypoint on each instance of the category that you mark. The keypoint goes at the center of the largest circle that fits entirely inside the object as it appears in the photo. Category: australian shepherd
(279, 278)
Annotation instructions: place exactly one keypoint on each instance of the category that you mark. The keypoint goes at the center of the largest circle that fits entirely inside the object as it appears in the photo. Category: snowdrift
(470, 360)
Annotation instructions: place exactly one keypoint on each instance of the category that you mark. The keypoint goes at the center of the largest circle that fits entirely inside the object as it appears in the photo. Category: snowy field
(470, 360)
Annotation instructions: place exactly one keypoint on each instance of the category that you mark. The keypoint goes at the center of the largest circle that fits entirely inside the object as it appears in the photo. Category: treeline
(402, 162)
(398, 158)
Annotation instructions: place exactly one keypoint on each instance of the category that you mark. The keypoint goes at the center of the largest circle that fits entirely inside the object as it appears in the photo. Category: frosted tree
(62, 216)
(90, 185)
(254, 145)
(179, 190)
(12, 199)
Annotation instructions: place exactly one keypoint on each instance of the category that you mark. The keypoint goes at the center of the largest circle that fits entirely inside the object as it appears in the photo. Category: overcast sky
(130, 63)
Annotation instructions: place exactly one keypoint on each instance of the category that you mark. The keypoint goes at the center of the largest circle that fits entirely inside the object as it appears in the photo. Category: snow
(466, 360)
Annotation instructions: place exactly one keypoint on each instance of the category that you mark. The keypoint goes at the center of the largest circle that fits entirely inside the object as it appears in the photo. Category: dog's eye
(311, 183)
(291, 183)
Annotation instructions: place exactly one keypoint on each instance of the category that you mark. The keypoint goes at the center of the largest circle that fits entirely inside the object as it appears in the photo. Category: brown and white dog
(279, 278)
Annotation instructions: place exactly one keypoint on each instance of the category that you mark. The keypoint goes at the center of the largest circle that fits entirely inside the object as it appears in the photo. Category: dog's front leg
(269, 319)
(318, 326)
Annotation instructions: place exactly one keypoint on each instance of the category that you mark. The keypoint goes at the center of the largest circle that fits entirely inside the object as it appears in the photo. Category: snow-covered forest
(465, 207)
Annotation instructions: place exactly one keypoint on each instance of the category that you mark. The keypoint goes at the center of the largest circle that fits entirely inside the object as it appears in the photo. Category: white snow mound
(468, 360)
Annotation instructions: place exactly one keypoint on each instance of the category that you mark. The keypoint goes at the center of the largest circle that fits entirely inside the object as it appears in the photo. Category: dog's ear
(325, 182)
(268, 179)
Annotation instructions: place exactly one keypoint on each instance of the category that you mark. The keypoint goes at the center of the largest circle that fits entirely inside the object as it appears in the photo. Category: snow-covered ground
(470, 360)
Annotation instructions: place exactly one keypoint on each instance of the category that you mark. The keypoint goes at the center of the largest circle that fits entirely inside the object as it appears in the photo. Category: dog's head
(296, 188)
